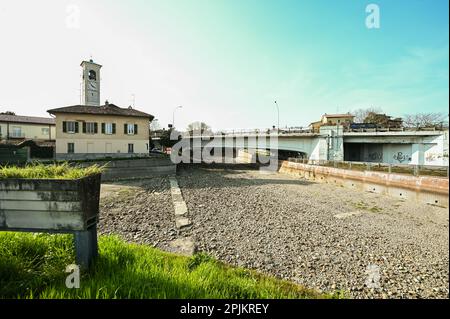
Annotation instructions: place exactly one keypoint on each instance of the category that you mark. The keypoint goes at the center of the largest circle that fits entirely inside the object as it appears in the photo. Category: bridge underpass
(409, 147)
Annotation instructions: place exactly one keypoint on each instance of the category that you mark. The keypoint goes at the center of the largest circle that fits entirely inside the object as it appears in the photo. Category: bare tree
(361, 114)
(154, 125)
(425, 120)
(198, 128)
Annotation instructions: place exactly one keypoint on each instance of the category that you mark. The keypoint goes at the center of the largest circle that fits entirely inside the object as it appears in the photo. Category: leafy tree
(167, 138)
(8, 113)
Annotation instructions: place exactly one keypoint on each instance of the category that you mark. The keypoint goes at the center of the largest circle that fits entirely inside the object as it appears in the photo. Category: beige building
(91, 130)
(337, 119)
(14, 127)
(84, 131)
(333, 119)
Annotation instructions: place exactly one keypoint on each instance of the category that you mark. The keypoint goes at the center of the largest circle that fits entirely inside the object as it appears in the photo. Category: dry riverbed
(318, 235)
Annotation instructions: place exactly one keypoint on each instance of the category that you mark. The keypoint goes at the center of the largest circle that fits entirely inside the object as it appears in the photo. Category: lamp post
(278, 111)
(173, 115)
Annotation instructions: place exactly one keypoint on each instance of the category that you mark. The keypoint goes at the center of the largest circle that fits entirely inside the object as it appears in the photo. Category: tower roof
(90, 62)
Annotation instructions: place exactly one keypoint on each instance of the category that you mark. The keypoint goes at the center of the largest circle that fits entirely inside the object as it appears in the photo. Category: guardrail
(308, 130)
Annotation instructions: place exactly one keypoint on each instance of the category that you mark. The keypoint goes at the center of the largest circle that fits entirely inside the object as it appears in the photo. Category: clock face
(92, 85)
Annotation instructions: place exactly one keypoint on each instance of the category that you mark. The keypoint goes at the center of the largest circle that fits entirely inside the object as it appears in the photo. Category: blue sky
(226, 61)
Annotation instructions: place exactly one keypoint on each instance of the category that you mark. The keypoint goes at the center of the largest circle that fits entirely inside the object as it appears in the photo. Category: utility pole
(278, 111)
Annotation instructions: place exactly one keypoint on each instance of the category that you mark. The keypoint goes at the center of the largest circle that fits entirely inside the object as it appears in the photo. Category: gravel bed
(287, 227)
(138, 211)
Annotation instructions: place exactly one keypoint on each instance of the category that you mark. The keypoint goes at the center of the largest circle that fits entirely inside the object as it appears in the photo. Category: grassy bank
(55, 171)
(33, 265)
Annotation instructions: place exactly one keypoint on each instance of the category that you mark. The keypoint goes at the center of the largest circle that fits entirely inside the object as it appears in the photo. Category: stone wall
(428, 189)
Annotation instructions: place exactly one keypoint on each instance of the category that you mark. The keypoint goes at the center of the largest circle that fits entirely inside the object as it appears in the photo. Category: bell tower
(90, 83)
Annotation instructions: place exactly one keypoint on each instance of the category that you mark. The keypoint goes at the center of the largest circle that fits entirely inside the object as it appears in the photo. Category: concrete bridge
(412, 147)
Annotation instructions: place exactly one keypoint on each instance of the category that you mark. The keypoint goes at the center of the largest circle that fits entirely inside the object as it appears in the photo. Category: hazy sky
(226, 61)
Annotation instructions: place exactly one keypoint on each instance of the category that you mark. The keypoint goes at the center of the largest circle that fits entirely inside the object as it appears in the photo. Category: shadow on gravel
(199, 176)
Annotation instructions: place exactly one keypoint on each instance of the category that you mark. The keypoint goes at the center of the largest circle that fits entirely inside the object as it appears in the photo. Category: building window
(108, 128)
(130, 148)
(70, 148)
(90, 128)
(17, 132)
(71, 127)
(45, 131)
(130, 129)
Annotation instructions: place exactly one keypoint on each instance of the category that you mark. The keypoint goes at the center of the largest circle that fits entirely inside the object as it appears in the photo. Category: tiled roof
(108, 109)
(26, 119)
(338, 115)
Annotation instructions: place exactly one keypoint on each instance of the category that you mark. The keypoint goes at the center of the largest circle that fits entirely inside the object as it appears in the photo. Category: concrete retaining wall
(427, 189)
(49, 205)
(135, 168)
(94, 156)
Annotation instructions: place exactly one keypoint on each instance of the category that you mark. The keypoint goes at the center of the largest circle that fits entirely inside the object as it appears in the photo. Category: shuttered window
(109, 128)
(70, 127)
(90, 128)
(130, 129)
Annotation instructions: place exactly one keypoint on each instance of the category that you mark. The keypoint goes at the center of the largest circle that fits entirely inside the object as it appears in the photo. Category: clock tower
(90, 83)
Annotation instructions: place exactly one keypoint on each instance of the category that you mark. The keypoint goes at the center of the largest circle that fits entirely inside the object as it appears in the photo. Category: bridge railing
(416, 170)
(392, 129)
(255, 131)
(308, 130)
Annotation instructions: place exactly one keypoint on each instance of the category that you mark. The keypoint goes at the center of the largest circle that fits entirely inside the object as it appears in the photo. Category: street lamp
(173, 115)
(278, 110)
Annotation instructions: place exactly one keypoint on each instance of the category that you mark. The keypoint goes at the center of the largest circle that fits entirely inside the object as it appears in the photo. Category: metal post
(86, 246)
(390, 168)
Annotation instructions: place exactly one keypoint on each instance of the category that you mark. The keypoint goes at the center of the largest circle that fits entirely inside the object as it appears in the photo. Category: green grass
(365, 206)
(33, 266)
(41, 171)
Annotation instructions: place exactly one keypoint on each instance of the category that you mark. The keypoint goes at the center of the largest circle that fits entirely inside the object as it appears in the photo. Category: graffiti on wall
(376, 156)
(400, 157)
(432, 157)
